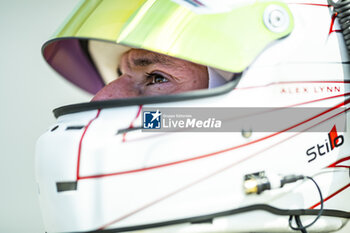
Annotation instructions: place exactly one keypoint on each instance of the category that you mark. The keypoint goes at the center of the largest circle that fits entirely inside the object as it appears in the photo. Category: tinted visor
(228, 41)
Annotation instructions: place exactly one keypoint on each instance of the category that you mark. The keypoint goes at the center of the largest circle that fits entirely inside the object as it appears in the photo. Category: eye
(154, 78)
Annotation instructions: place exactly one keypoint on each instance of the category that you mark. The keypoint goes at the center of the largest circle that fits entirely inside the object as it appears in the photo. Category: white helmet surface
(100, 169)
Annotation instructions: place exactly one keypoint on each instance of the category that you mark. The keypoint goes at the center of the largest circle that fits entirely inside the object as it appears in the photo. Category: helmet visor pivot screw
(276, 19)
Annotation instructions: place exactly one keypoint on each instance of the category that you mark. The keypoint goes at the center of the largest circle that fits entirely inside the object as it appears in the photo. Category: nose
(122, 87)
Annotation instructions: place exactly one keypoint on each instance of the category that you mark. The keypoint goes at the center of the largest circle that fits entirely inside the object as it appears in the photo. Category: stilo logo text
(334, 140)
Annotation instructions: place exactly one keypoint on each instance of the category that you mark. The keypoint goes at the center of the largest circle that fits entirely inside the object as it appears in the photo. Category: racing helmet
(100, 169)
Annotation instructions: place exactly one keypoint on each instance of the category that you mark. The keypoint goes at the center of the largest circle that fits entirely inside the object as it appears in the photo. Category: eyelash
(152, 77)
(149, 76)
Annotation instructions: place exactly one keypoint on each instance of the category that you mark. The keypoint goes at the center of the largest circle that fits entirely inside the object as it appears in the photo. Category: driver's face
(145, 73)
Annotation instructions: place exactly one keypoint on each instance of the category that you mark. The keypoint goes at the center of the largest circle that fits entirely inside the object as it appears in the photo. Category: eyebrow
(150, 59)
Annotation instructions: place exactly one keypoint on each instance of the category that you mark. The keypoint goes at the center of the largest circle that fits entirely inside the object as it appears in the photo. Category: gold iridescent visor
(228, 41)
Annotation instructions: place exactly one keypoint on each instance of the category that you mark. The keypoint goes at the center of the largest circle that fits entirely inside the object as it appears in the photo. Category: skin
(145, 73)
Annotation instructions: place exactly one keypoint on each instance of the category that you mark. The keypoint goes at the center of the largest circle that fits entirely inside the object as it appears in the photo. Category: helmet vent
(66, 186)
(75, 127)
(54, 128)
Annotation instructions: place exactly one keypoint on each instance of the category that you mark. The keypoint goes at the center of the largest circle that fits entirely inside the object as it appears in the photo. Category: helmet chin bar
(104, 169)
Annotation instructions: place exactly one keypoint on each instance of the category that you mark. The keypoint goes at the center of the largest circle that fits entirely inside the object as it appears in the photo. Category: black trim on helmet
(210, 217)
(74, 108)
